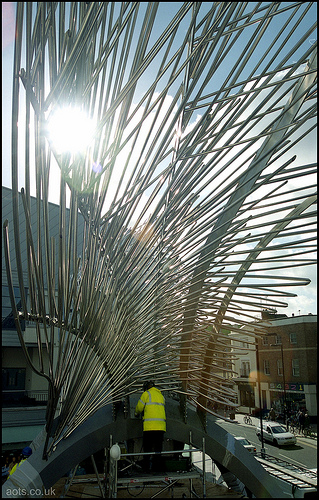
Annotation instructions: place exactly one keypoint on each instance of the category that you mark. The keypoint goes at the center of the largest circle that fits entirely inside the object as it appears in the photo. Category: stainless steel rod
(187, 183)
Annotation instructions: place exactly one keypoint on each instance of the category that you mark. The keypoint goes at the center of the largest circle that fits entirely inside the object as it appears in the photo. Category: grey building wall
(24, 393)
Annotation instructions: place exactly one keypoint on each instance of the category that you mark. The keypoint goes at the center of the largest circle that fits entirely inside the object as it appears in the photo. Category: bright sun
(70, 130)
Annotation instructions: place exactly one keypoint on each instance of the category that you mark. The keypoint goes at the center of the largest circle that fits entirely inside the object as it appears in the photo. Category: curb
(255, 424)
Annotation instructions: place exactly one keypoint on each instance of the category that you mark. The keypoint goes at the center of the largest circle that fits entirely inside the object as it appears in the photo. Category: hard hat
(115, 451)
(27, 451)
(147, 385)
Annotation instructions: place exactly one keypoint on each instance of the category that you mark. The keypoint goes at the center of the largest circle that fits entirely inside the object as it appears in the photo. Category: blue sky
(306, 300)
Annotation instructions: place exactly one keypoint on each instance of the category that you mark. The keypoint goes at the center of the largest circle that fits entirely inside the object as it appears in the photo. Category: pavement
(212, 472)
(239, 419)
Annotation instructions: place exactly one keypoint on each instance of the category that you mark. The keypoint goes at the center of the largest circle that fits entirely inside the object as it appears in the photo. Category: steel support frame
(94, 434)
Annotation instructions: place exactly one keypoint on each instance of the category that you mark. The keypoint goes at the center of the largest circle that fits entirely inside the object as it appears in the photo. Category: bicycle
(293, 425)
(307, 431)
(293, 428)
(248, 420)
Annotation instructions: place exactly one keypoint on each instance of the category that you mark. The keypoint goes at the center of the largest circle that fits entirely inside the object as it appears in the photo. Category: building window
(279, 367)
(7, 314)
(13, 383)
(293, 338)
(228, 373)
(295, 367)
(247, 398)
(266, 367)
(265, 340)
(278, 340)
(245, 369)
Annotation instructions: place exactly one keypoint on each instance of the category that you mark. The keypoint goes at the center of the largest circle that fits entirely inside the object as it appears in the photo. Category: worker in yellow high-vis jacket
(26, 453)
(152, 405)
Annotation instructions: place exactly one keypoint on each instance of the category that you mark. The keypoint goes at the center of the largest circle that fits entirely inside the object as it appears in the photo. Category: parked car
(250, 447)
(276, 434)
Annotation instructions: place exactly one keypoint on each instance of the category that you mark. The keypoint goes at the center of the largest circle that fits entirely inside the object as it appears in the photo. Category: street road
(304, 453)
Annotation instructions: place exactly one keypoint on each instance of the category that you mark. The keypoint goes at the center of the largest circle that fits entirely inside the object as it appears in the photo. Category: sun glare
(70, 130)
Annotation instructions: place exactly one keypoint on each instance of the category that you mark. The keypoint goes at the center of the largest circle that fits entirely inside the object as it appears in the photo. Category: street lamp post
(284, 382)
(260, 403)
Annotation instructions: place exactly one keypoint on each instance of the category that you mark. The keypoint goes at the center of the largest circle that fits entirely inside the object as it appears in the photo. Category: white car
(276, 434)
(250, 447)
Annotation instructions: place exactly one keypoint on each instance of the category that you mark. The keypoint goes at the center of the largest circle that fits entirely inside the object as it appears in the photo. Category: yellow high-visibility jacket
(152, 402)
(14, 468)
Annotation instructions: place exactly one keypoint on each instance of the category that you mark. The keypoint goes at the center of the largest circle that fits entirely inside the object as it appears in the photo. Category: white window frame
(293, 338)
(266, 367)
(245, 368)
(295, 367)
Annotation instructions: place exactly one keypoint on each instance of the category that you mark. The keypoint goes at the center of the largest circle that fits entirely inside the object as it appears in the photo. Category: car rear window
(243, 441)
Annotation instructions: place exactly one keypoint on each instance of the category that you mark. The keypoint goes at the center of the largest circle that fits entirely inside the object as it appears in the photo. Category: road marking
(307, 444)
(292, 460)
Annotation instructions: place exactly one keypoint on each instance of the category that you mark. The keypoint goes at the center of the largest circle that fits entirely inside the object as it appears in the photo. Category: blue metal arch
(94, 434)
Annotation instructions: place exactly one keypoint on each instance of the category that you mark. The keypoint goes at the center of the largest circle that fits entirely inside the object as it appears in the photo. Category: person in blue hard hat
(26, 453)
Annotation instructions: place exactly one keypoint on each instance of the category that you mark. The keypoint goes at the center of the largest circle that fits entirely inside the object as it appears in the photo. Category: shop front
(292, 394)
(246, 397)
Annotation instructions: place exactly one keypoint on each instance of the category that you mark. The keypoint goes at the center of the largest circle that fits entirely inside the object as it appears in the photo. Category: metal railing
(17, 394)
(38, 395)
(114, 480)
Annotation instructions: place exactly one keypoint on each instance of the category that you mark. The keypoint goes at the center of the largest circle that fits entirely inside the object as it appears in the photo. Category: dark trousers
(153, 442)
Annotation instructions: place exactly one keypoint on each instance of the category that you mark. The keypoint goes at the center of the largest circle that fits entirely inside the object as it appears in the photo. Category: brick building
(287, 364)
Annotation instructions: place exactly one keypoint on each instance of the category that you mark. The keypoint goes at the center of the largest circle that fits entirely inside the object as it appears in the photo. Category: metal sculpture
(190, 192)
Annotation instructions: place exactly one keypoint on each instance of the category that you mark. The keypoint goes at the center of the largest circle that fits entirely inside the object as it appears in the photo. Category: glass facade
(7, 315)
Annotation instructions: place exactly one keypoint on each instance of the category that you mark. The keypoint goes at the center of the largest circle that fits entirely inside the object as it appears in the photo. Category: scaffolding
(164, 480)
(71, 479)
